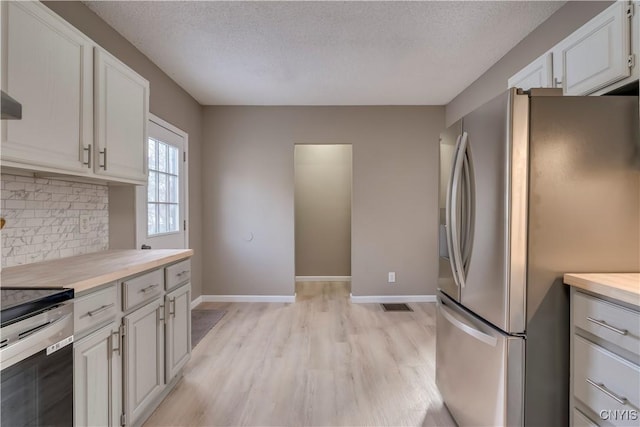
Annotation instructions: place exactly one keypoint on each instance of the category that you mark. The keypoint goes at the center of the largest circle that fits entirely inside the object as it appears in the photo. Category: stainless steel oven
(36, 359)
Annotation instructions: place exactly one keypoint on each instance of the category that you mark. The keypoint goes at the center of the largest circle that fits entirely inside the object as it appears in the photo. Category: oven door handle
(33, 342)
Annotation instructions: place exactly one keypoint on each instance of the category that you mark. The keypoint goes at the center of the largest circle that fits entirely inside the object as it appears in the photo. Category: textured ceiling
(324, 52)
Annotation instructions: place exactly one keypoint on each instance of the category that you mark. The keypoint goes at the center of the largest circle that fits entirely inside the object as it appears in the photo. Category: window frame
(157, 202)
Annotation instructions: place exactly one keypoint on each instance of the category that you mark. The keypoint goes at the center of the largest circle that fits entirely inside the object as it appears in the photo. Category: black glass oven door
(38, 391)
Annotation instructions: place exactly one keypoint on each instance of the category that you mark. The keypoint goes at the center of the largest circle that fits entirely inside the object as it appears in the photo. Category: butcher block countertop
(84, 272)
(621, 286)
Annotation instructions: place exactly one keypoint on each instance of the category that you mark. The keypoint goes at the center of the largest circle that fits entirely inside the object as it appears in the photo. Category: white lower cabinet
(605, 357)
(133, 340)
(97, 378)
(178, 321)
(143, 358)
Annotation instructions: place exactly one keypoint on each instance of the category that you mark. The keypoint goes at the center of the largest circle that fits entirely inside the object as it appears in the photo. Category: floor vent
(396, 307)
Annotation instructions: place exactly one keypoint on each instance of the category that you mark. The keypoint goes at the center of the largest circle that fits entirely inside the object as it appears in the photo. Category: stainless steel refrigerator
(533, 185)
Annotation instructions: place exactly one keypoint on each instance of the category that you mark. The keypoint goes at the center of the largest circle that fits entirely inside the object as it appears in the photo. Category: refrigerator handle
(448, 213)
(469, 192)
(455, 188)
(466, 327)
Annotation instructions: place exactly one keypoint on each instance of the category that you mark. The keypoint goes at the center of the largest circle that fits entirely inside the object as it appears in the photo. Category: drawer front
(95, 308)
(611, 322)
(606, 383)
(178, 273)
(142, 288)
(581, 420)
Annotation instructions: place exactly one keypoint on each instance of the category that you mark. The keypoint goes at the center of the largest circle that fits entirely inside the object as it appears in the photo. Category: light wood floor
(321, 361)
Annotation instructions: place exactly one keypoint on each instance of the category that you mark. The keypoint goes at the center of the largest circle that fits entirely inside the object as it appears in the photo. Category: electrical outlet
(392, 277)
(84, 223)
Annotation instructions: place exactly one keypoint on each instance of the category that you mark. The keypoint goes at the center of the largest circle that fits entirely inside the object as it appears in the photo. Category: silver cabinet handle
(115, 335)
(182, 272)
(557, 82)
(172, 307)
(148, 288)
(605, 390)
(100, 310)
(160, 312)
(88, 162)
(104, 153)
(605, 325)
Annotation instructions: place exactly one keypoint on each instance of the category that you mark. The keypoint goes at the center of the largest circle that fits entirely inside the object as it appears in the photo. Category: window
(162, 189)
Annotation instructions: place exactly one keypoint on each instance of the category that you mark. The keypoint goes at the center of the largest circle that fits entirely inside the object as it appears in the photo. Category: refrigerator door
(479, 369)
(493, 286)
(449, 140)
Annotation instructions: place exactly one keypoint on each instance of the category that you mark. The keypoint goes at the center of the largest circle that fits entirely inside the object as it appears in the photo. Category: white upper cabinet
(84, 113)
(598, 54)
(48, 67)
(121, 116)
(537, 74)
(596, 58)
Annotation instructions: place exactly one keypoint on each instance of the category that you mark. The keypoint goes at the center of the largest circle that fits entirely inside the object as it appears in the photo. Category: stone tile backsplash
(50, 218)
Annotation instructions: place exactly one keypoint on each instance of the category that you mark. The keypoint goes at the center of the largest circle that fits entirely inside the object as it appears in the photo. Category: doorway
(323, 187)
(162, 204)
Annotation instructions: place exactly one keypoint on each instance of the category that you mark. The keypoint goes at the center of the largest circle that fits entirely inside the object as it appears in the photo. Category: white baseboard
(196, 302)
(248, 298)
(368, 299)
(323, 278)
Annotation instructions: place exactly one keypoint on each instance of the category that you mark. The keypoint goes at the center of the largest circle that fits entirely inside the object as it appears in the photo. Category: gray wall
(167, 101)
(248, 187)
(562, 23)
(323, 210)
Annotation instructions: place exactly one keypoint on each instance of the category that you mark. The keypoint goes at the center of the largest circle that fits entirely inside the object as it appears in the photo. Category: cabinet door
(97, 378)
(48, 67)
(597, 54)
(536, 74)
(557, 66)
(121, 115)
(144, 358)
(178, 322)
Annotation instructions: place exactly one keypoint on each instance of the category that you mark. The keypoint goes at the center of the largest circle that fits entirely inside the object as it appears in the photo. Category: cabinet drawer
(611, 322)
(604, 381)
(178, 273)
(581, 420)
(95, 308)
(142, 288)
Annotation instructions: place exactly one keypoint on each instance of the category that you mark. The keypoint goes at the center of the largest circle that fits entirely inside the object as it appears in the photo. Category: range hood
(11, 109)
